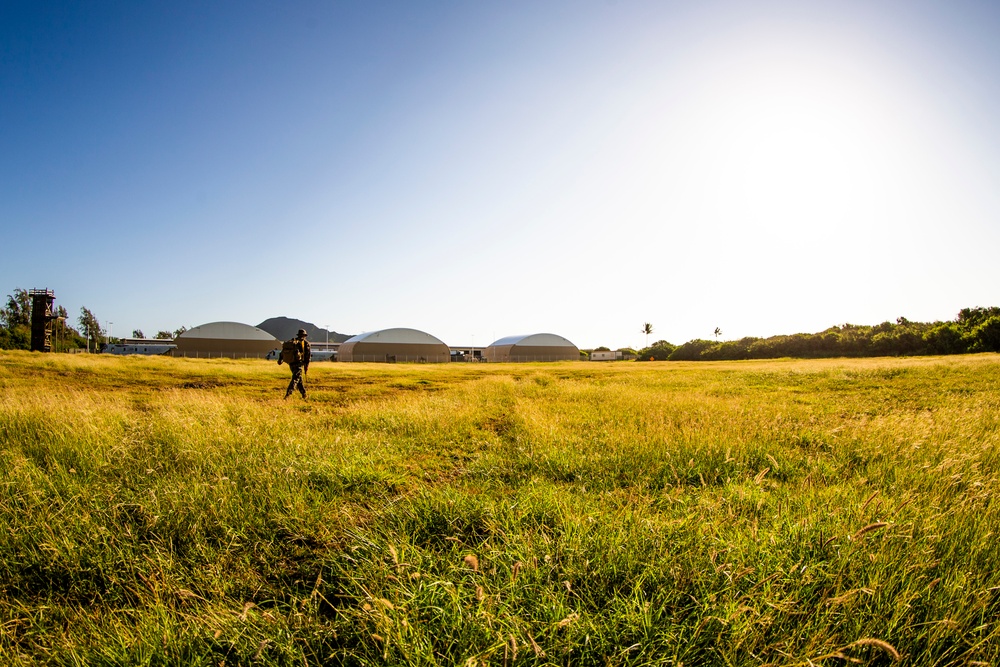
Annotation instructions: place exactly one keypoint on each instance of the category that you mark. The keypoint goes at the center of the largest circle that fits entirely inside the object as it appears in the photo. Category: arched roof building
(225, 339)
(391, 345)
(534, 347)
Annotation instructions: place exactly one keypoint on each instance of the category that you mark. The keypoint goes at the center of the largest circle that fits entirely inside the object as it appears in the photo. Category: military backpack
(291, 352)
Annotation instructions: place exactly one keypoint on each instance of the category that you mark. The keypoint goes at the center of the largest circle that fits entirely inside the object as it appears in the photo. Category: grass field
(165, 511)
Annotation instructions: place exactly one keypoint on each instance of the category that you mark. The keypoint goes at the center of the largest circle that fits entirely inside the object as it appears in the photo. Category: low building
(146, 346)
(466, 353)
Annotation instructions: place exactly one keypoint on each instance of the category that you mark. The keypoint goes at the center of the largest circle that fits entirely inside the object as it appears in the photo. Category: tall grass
(176, 511)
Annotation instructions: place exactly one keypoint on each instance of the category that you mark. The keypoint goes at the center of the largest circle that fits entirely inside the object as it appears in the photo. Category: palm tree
(647, 329)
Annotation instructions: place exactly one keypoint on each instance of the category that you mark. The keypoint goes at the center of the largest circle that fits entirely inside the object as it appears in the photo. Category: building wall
(497, 353)
(526, 353)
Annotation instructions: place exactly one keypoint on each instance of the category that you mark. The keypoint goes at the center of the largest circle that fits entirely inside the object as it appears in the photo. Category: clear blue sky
(484, 169)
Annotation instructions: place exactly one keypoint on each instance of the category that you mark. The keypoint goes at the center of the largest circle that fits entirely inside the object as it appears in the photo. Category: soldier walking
(296, 353)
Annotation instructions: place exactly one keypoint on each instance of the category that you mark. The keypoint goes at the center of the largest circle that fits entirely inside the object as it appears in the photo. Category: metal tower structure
(41, 319)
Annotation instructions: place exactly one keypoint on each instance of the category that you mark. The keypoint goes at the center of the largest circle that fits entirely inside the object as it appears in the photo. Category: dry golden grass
(176, 511)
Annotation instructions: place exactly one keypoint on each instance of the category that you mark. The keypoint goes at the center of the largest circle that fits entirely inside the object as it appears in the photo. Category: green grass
(162, 511)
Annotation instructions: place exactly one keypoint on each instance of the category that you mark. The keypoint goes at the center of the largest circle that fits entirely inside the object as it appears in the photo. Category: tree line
(15, 327)
(973, 330)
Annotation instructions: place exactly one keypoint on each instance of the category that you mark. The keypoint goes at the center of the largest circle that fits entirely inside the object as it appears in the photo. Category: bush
(658, 351)
(15, 338)
(945, 338)
(985, 337)
(730, 350)
(691, 350)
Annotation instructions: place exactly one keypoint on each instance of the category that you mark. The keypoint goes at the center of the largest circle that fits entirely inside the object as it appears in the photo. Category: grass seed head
(878, 525)
(878, 643)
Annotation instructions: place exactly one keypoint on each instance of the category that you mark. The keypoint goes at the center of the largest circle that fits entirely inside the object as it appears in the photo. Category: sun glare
(781, 141)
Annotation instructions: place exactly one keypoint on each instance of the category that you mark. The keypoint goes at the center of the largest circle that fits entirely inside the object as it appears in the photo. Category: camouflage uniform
(298, 369)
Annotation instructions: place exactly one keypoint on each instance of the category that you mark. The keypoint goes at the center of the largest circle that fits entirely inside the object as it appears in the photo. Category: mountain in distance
(284, 328)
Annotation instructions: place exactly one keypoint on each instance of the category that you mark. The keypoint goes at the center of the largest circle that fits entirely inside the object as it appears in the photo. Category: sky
(478, 170)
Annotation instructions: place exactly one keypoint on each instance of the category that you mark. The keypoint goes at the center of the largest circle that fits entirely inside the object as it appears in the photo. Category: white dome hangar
(392, 345)
(225, 339)
(533, 347)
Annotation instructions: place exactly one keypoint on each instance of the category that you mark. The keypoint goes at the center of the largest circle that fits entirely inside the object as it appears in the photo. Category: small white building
(611, 355)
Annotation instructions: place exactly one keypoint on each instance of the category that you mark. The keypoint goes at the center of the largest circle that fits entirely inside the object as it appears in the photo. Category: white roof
(227, 331)
(407, 336)
(534, 340)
